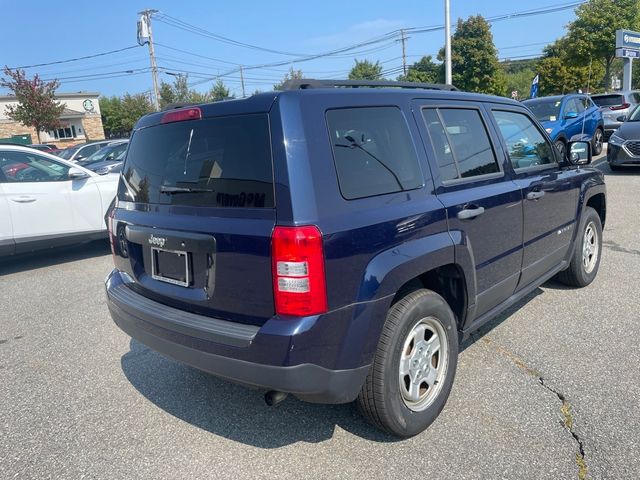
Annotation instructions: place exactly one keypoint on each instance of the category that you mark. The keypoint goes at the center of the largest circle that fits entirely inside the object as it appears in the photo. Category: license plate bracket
(170, 266)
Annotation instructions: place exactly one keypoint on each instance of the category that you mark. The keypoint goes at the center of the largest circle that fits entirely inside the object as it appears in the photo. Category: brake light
(182, 114)
(299, 283)
(620, 107)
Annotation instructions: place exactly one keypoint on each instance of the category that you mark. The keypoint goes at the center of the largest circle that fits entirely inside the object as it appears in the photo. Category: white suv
(47, 201)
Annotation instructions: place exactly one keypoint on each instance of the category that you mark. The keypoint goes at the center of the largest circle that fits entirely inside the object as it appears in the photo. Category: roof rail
(304, 83)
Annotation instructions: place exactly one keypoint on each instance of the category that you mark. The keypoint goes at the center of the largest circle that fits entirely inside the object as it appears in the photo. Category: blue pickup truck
(337, 240)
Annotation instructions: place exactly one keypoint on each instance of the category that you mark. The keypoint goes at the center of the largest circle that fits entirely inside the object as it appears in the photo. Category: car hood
(551, 124)
(629, 131)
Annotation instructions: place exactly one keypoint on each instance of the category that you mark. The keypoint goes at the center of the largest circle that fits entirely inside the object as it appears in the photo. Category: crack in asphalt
(616, 247)
(567, 412)
(566, 408)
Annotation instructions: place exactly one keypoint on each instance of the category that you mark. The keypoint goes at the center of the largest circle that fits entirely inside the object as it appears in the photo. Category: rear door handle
(535, 195)
(468, 213)
(23, 199)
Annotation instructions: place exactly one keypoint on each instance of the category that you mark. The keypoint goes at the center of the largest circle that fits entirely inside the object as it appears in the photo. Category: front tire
(414, 366)
(597, 141)
(585, 261)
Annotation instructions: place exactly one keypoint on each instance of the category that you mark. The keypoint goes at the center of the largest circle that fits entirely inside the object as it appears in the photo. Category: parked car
(624, 143)
(613, 106)
(106, 158)
(569, 117)
(46, 201)
(339, 243)
(83, 150)
(45, 147)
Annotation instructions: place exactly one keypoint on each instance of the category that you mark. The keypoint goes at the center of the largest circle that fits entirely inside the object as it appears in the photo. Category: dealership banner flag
(534, 87)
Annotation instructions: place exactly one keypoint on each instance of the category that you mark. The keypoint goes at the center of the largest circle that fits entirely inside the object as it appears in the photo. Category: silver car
(615, 105)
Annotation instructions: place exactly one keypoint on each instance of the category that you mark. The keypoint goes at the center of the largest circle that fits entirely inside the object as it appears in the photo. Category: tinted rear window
(608, 100)
(217, 162)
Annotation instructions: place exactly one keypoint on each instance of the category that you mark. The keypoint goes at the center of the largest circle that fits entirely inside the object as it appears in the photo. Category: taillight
(620, 107)
(299, 283)
(112, 238)
(182, 114)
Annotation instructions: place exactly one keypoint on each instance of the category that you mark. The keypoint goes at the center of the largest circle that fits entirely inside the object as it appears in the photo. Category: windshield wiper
(173, 190)
(354, 144)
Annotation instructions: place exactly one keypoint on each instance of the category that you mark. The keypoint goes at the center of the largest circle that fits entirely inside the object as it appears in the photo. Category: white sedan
(46, 201)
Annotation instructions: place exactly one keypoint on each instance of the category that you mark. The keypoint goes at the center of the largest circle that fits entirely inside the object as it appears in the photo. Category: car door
(591, 116)
(572, 125)
(35, 188)
(484, 207)
(86, 204)
(7, 244)
(550, 193)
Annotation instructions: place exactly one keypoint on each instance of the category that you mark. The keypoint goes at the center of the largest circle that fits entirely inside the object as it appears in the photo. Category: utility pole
(447, 42)
(147, 14)
(404, 53)
(242, 81)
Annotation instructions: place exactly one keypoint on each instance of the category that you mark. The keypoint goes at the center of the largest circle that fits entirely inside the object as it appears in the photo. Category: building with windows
(80, 121)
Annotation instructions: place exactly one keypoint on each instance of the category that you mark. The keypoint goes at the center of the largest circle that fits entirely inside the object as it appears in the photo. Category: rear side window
(461, 143)
(216, 162)
(373, 151)
(608, 100)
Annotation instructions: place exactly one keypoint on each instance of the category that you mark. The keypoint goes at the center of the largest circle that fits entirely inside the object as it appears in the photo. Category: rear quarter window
(215, 162)
(373, 151)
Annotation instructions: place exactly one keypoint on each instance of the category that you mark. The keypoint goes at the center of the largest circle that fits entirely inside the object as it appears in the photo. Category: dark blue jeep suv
(338, 242)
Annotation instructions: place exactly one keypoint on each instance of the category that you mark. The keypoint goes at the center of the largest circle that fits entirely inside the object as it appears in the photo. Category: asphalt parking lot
(549, 390)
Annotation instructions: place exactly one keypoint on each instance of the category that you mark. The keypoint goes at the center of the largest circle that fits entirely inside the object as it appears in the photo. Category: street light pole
(447, 42)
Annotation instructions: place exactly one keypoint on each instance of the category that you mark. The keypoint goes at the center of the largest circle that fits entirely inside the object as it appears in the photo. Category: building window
(62, 133)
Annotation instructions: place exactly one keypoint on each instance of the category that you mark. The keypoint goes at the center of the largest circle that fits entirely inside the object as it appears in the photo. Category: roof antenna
(584, 117)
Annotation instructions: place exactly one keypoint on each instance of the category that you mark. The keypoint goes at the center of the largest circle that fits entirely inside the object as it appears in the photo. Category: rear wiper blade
(172, 190)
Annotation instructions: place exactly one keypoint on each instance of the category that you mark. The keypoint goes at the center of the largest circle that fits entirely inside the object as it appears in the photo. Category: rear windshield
(608, 100)
(217, 162)
(545, 110)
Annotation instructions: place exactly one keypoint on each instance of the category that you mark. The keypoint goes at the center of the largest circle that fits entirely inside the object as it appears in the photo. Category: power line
(101, 54)
(177, 23)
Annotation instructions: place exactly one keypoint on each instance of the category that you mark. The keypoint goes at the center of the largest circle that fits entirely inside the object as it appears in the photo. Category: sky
(42, 34)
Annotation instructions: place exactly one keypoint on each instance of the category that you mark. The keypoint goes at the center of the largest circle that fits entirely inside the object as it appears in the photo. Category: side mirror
(622, 118)
(571, 115)
(579, 153)
(76, 173)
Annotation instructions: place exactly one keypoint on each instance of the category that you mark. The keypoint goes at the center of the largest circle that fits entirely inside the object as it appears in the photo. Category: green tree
(561, 72)
(366, 70)
(518, 76)
(179, 92)
(592, 35)
(474, 58)
(166, 94)
(422, 71)
(219, 92)
(120, 114)
(37, 106)
(290, 75)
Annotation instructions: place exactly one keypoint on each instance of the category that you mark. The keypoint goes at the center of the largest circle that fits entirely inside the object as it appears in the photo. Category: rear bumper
(229, 350)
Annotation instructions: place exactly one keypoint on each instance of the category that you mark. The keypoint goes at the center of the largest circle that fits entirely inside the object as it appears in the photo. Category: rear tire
(585, 260)
(414, 366)
(596, 141)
